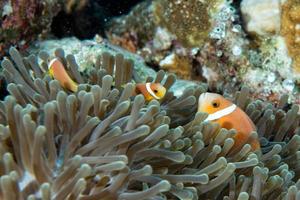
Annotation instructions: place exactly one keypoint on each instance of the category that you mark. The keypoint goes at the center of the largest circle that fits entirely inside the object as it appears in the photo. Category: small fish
(57, 71)
(151, 90)
(229, 116)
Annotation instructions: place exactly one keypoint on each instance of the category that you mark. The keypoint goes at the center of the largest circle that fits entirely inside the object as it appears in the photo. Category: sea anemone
(104, 143)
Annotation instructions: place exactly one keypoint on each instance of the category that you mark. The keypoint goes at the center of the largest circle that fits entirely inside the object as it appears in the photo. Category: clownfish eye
(155, 91)
(215, 103)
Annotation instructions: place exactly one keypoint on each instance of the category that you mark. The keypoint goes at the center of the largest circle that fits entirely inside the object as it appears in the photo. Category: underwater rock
(261, 17)
(275, 18)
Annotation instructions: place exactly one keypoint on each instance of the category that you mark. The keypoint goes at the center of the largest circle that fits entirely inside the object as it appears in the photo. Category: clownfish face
(151, 90)
(211, 103)
(156, 90)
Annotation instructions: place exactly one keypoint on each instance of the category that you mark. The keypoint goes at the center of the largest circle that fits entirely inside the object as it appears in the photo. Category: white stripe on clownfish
(151, 91)
(52, 61)
(221, 113)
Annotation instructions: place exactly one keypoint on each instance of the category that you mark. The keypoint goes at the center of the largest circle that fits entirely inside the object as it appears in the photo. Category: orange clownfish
(151, 90)
(57, 71)
(229, 116)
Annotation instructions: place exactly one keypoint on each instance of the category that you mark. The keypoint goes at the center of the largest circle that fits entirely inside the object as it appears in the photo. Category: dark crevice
(91, 19)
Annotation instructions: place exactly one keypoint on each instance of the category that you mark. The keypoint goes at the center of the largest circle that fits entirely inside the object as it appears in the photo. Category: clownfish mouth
(202, 97)
(221, 113)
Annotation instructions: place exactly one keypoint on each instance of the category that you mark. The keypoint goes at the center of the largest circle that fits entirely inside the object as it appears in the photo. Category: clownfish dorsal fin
(221, 113)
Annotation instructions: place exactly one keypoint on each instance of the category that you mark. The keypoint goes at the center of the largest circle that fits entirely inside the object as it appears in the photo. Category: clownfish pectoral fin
(50, 72)
(71, 86)
(227, 125)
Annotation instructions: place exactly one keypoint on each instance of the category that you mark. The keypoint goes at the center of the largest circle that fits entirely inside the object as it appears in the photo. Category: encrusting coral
(290, 26)
(103, 143)
(194, 18)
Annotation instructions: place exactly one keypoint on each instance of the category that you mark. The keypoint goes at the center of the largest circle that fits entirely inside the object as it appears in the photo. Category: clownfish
(229, 116)
(150, 90)
(57, 71)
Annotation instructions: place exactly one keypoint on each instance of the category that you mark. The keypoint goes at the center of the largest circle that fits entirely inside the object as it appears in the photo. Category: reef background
(104, 141)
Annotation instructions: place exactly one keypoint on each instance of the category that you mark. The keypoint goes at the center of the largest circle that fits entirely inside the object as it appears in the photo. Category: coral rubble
(102, 142)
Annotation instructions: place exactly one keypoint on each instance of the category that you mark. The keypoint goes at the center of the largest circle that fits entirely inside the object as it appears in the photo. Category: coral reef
(290, 26)
(24, 21)
(227, 57)
(194, 17)
(102, 142)
(163, 39)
